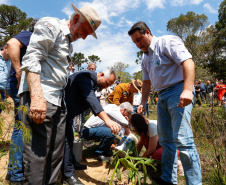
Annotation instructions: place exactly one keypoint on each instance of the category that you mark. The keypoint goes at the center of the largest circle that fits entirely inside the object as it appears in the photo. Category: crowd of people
(210, 93)
(43, 79)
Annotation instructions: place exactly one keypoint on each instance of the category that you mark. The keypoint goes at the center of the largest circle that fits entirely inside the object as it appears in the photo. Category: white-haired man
(41, 90)
(79, 96)
(95, 128)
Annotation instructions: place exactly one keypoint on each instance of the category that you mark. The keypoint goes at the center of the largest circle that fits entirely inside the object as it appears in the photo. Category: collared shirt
(162, 64)
(48, 55)
(137, 98)
(121, 94)
(113, 112)
(4, 72)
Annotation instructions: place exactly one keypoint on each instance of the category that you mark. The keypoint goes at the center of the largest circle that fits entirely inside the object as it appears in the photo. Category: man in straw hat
(45, 70)
(124, 92)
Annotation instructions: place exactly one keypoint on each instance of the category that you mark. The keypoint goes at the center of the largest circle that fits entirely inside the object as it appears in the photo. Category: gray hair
(108, 73)
(81, 18)
(127, 106)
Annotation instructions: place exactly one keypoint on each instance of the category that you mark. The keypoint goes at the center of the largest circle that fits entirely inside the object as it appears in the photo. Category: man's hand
(38, 109)
(18, 77)
(115, 127)
(186, 98)
(140, 109)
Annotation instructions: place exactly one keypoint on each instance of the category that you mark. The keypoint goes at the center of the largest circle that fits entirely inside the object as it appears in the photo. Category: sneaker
(103, 158)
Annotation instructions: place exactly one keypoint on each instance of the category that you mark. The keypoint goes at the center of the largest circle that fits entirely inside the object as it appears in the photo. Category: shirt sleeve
(88, 92)
(174, 48)
(144, 70)
(152, 129)
(41, 42)
(24, 37)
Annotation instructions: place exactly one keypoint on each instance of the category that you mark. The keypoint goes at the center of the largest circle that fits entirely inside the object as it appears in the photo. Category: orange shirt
(121, 94)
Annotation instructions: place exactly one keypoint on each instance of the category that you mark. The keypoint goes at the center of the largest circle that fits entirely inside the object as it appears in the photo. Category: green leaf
(114, 173)
(114, 162)
(127, 164)
(145, 173)
(138, 178)
(118, 172)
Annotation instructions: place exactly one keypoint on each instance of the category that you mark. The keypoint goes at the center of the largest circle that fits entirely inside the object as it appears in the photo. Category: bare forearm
(13, 46)
(102, 115)
(145, 91)
(34, 83)
(189, 74)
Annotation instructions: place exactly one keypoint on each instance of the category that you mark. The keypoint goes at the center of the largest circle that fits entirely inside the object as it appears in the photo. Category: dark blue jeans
(15, 168)
(100, 133)
(146, 109)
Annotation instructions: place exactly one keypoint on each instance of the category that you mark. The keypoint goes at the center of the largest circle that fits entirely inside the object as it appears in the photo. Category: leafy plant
(133, 164)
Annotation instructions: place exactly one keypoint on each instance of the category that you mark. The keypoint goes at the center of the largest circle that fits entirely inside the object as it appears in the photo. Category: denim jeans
(134, 109)
(175, 132)
(100, 133)
(146, 109)
(15, 168)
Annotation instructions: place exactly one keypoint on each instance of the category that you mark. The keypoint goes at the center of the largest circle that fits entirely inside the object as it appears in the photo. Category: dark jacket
(80, 94)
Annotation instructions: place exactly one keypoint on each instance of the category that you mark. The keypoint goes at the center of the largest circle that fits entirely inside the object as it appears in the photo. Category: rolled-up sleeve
(41, 42)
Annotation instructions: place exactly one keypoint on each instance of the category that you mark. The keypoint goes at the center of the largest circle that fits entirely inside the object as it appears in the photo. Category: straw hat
(137, 84)
(91, 17)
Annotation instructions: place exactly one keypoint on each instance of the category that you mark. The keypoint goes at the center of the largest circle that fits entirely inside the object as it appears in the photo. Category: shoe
(8, 177)
(103, 158)
(159, 181)
(79, 166)
(16, 183)
(72, 181)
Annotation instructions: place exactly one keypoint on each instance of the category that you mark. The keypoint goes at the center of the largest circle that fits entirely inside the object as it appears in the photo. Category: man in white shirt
(45, 70)
(136, 101)
(168, 67)
(96, 129)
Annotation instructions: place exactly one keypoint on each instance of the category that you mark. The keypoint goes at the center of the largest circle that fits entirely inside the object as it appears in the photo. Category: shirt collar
(153, 43)
(64, 27)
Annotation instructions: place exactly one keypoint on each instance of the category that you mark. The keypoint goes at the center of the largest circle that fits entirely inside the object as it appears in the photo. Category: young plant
(133, 164)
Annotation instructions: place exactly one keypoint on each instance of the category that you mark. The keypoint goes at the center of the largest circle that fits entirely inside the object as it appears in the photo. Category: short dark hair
(32, 25)
(3, 46)
(141, 27)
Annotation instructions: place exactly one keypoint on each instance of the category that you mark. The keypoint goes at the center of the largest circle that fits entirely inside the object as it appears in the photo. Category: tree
(138, 75)
(12, 21)
(139, 57)
(219, 44)
(94, 59)
(78, 59)
(119, 69)
(189, 27)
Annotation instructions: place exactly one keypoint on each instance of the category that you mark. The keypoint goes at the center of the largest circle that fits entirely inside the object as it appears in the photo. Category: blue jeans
(15, 168)
(100, 133)
(175, 132)
(134, 109)
(146, 109)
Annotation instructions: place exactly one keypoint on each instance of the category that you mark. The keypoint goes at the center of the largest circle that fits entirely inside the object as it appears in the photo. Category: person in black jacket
(79, 96)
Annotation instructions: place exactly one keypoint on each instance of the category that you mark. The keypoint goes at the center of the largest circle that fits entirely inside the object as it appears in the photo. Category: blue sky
(113, 43)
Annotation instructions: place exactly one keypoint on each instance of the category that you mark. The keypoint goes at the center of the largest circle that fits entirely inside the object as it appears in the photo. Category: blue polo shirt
(24, 38)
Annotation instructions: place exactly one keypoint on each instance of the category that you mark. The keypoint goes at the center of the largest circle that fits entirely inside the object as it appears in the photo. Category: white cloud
(4, 2)
(153, 4)
(68, 10)
(185, 2)
(196, 2)
(208, 7)
(111, 48)
(111, 8)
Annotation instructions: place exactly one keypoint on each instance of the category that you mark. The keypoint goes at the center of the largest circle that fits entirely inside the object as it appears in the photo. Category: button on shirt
(47, 54)
(162, 64)
(113, 112)
(4, 72)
